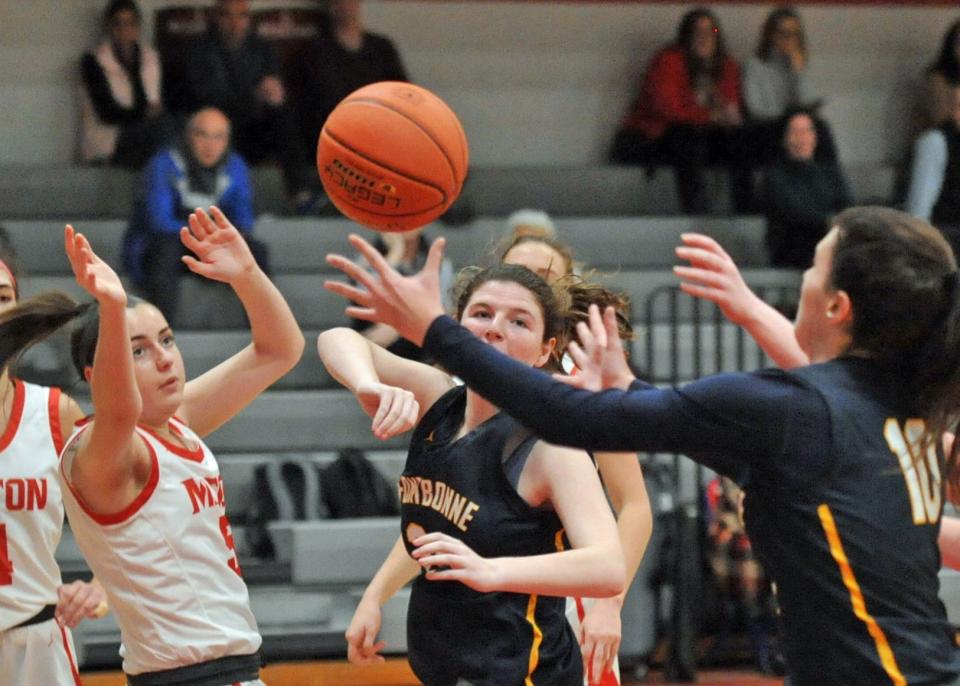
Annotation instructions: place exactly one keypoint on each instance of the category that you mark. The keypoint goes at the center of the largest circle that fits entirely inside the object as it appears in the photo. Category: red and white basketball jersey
(31, 509)
(167, 561)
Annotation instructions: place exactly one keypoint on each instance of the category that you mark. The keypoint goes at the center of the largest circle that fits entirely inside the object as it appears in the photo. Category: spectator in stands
(801, 194)
(688, 114)
(407, 253)
(234, 70)
(934, 193)
(531, 222)
(775, 81)
(942, 75)
(201, 171)
(342, 59)
(121, 114)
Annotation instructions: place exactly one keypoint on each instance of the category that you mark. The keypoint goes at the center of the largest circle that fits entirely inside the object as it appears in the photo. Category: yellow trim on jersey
(537, 640)
(856, 596)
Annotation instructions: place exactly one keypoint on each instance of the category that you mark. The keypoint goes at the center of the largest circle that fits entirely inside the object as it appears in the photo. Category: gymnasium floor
(396, 672)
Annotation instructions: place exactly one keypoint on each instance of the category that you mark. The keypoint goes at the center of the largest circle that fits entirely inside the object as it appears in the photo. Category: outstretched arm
(111, 465)
(392, 390)
(593, 566)
(222, 254)
(713, 275)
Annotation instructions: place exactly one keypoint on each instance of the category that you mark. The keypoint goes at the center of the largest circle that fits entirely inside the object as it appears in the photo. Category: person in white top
(143, 493)
(36, 609)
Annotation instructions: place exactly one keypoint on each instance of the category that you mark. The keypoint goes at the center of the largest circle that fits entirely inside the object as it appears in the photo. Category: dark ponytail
(901, 276)
(83, 339)
(33, 320)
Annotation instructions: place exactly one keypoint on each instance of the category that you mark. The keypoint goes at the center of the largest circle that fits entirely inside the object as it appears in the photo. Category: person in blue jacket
(199, 172)
(841, 459)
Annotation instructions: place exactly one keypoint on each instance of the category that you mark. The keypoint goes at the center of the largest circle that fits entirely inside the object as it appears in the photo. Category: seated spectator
(941, 76)
(775, 81)
(232, 69)
(741, 581)
(934, 193)
(342, 59)
(200, 172)
(121, 115)
(688, 115)
(407, 253)
(801, 194)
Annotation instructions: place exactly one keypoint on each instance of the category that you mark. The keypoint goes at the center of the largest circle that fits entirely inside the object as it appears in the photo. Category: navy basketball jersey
(854, 551)
(455, 635)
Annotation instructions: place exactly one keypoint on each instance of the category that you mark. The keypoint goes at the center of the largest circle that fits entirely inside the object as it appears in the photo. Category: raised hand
(449, 559)
(394, 410)
(362, 645)
(221, 252)
(94, 275)
(714, 276)
(407, 303)
(80, 600)
(599, 356)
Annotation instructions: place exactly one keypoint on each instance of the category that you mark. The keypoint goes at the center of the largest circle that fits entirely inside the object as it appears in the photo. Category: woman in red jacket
(688, 114)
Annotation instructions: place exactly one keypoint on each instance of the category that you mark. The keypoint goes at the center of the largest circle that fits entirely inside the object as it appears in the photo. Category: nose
(164, 359)
(494, 330)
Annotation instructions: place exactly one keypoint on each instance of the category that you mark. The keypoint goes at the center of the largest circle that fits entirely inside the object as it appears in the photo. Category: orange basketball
(392, 156)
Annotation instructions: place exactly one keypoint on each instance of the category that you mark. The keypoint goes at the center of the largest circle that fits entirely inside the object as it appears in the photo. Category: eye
(521, 323)
(139, 351)
(167, 341)
(481, 314)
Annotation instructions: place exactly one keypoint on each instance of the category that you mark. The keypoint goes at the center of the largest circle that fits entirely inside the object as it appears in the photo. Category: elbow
(613, 579)
(327, 341)
(293, 351)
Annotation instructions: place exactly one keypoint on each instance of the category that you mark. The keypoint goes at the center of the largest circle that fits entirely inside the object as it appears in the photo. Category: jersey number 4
(920, 472)
(6, 566)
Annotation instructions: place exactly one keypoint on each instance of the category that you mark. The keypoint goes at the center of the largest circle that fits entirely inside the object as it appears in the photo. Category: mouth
(169, 384)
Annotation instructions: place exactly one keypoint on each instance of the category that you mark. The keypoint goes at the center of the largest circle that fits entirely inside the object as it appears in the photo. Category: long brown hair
(901, 276)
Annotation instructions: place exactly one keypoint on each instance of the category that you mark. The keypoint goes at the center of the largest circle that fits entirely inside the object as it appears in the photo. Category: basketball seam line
(356, 152)
(453, 169)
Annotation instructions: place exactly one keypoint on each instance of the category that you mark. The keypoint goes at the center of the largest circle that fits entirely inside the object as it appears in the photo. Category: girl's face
(539, 258)
(157, 363)
(786, 37)
(8, 294)
(704, 42)
(800, 138)
(508, 316)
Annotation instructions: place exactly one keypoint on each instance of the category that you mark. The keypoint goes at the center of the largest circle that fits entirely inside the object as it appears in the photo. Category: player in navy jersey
(840, 459)
(596, 622)
(483, 503)
(143, 492)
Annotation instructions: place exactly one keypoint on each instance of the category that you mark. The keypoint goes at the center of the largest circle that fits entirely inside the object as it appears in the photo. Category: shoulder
(670, 56)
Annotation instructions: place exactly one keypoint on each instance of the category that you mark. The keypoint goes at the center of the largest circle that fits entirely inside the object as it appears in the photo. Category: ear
(87, 373)
(546, 350)
(840, 309)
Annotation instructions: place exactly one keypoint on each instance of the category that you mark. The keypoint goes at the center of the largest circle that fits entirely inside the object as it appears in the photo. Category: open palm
(94, 275)
(221, 253)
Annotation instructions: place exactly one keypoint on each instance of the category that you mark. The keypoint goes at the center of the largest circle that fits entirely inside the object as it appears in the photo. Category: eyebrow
(143, 337)
(521, 310)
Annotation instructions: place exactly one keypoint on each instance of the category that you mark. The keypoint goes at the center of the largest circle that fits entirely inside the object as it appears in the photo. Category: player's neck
(6, 399)
(477, 411)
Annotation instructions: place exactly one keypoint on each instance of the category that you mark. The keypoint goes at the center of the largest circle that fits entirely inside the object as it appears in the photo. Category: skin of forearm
(774, 334)
(397, 571)
(593, 572)
(346, 355)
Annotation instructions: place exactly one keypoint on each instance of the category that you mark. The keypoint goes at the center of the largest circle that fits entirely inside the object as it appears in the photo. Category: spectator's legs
(687, 148)
(137, 142)
(274, 135)
(162, 270)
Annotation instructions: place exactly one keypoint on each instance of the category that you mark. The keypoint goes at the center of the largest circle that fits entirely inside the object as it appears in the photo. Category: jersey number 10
(920, 472)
